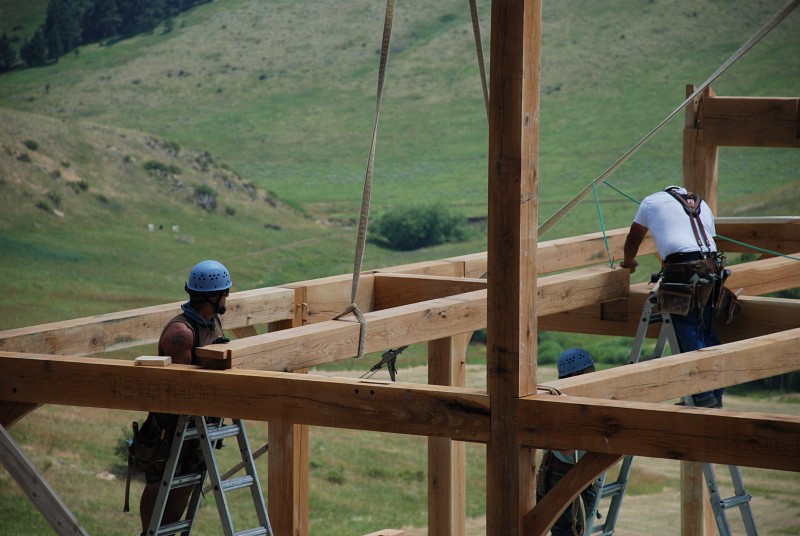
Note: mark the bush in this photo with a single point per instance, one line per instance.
(31, 144)
(205, 197)
(159, 169)
(414, 227)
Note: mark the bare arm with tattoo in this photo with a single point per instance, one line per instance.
(177, 342)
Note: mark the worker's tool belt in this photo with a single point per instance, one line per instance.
(687, 285)
(150, 448)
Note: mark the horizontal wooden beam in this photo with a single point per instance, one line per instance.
(765, 276)
(135, 327)
(585, 250)
(325, 342)
(750, 121)
(758, 317)
(660, 431)
(436, 411)
(327, 297)
(672, 377)
(395, 290)
(620, 318)
(779, 234)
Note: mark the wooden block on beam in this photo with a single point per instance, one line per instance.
(153, 360)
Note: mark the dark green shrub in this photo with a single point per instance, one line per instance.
(159, 169)
(413, 227)
(205, 197)
(30, 144)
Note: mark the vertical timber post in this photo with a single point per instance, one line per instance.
(447, 462)
(287, 482)
(513, 220)
(700, 161)
(700, 164)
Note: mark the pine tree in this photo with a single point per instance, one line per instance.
(62, 24)
(101, 21)
(34, 52)
(7, 53)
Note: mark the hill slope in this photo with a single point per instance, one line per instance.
(283, 94)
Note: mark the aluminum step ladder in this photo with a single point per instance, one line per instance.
(741, 499)
(615, 491)
(209, 432)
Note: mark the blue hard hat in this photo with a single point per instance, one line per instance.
(573, 360)
(209, 276)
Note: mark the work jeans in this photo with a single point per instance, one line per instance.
(693, 334)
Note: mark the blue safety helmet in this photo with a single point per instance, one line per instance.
(573, 360)
(209, 276)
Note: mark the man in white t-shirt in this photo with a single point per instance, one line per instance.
(679, 241)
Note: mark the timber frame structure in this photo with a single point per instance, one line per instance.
(557, 285)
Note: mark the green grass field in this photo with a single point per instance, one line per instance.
(280, 95)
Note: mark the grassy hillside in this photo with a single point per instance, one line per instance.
(282, 93)
(270, 105)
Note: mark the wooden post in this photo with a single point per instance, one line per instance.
(699, 160)
(696, 518)
(447, 462)
(287, 483)
(700, 164)
(512, 240)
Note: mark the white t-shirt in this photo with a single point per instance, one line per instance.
(670, 226)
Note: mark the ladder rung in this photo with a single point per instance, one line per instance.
(258, 531)
(187, 480)
(175, 528)
(611, 490)
(735, 501)
(214, 433)
(237, 483)
(224, 431)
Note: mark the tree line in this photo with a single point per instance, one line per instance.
(69, 24)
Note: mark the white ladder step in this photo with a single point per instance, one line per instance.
(237, 483)
(258, 531)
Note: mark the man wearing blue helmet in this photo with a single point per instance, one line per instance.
(198, 325)
(556, 463)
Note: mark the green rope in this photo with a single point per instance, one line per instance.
(621, 192)
(745, 244)
(603, 226)
(762, 250)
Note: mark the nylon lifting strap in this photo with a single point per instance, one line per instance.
(476, 31)
(367, 194)
(755, 38)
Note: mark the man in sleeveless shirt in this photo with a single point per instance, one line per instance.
(557, 463)
(198, 325)
(680, 241)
